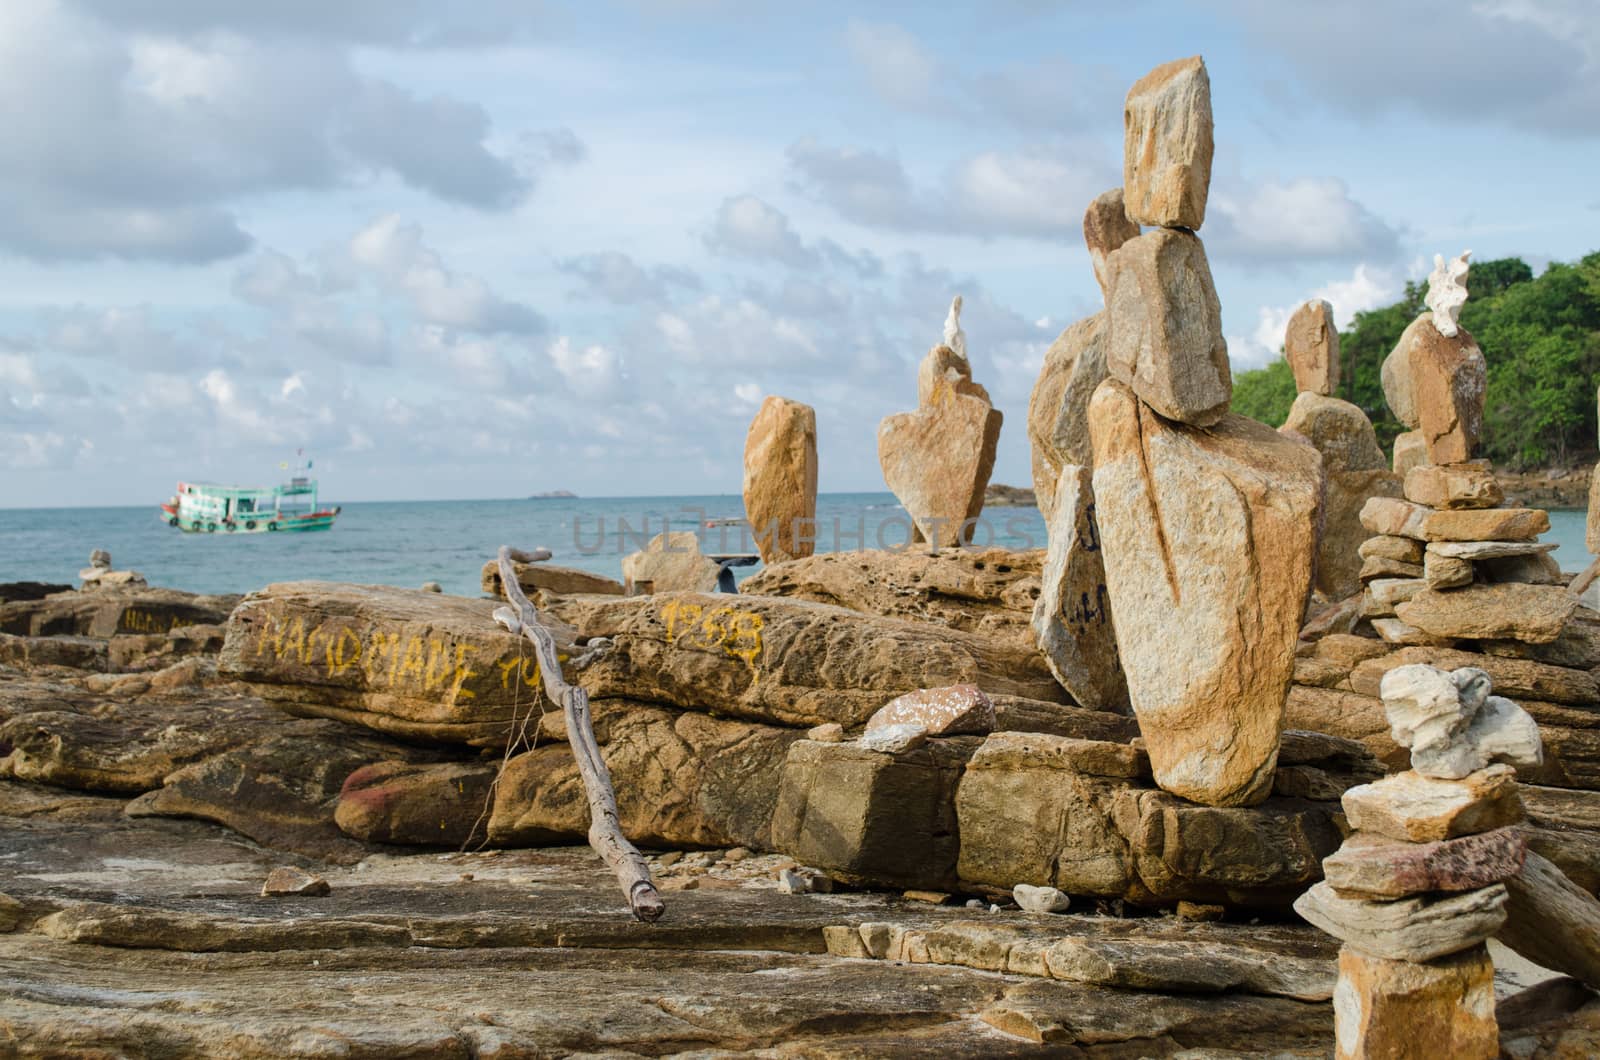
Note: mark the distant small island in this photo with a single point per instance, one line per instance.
(998, 495)
(550, 495)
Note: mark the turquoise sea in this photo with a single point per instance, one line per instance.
(407, 543)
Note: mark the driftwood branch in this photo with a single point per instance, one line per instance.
(605, 831)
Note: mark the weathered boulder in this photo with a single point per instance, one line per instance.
(1401, 1008)
(1209, 539)
(1409, 929)
(955, 711)
(1072, 618)
(1339, 430)
(1534, 613)
(73, 653)
(1106, 227)
(280, 790)
(126, 747)
(548, 577)
(1436, 384)
(1164, 334)
(937, 459)
(1058, 410)
(1311, 346)
(780, 479)
(1167, 145)
(786, 662)
(1081, 815)
(433, 805)
(682, 780)
(1454, 486)
(867, 816)
(977, 590)
(107, 612)
(671, 562)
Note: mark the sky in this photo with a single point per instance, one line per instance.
(528, 246)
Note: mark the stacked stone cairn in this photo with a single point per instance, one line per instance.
(1207, 520)
(1419, 886)
(1353, 464)
(937, 459)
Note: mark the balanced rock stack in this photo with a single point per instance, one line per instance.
(937, 459)
(1420, 885)
(1208, 520)
(1352, 462)
(1435, 378)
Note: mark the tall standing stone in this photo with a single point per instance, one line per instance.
(1402, 1010)
(1166, 327)
(1311, 346)
(780, 479)
(1105, 228)
(1436, 383)
(1208, 538)
(1072, 617)
(1167, 146)
(1058, 410)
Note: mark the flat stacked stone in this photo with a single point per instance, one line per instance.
(1420, 884)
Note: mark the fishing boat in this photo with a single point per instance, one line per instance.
(207, 508)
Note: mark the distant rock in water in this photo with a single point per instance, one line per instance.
(551, 495)
(998, 495)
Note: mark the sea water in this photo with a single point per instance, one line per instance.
(407, 543)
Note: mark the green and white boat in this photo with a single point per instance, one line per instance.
(207, 508)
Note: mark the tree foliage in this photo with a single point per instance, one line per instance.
(1540, 337)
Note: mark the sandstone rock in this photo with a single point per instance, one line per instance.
(1165, 328)
(1482, 550)
(1375, 868)
(885, 819)
(1072, 618)
(828, 732)
(1311, 346)
(1167, 145)
(1031, 899)
(1418, 809)
(1539, 568)
(1208, 543)
(1402, 549)
(785, 662)
(108, 612)
(1400, 1009)
(978, 590)
(1345, 493)
(682, 780)
(1410, 929)
(1453, 486)
(1394, 631)
(937, 460)
(1339, 430)
(893, 739)
(1446, 572)
(1383, 595)
(952, 711)
(548, 577)
(1058, 410)
(444, 805)
(1410, 451)
(280, 790)
(1349, 651)
(1553, 922)
(671, 562)
(1105, 228)
(780, 479)
(1436, 383)
(1591, 536)
(1382, 567)
(1386, 515)
(1534, 613)
(286, 881)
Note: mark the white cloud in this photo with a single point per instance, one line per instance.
(1368, 287)
(1295, 220)
(747, 227)
(895, 62)
(395, 253)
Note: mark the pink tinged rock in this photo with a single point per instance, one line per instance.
(287, 881)
(1208, 539)
(1373, 867)
(1105, 228)
(1072, 617)
(1167, 145)
(956, 710)
(1166, 327)
(780, 479)
(1311, 346)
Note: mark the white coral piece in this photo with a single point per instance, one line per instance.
(954, 337)
(1452, 725)
(1447, 292)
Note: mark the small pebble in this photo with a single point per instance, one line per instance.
(827, 732)
(287, 881)
(931, 897)
(1032, 899)
(467, 877)
(671, 857)
(974, 903)
(736, 854)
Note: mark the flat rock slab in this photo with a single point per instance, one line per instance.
(1417, 809)
(1376, 868)
(1490, 549)
(1411, 929)
(1517, 678)
(1390, 515)
(1533, 613)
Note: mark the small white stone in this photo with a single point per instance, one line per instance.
(1032, 899)
(892, 739)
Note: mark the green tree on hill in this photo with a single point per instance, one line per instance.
(1540, 337)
